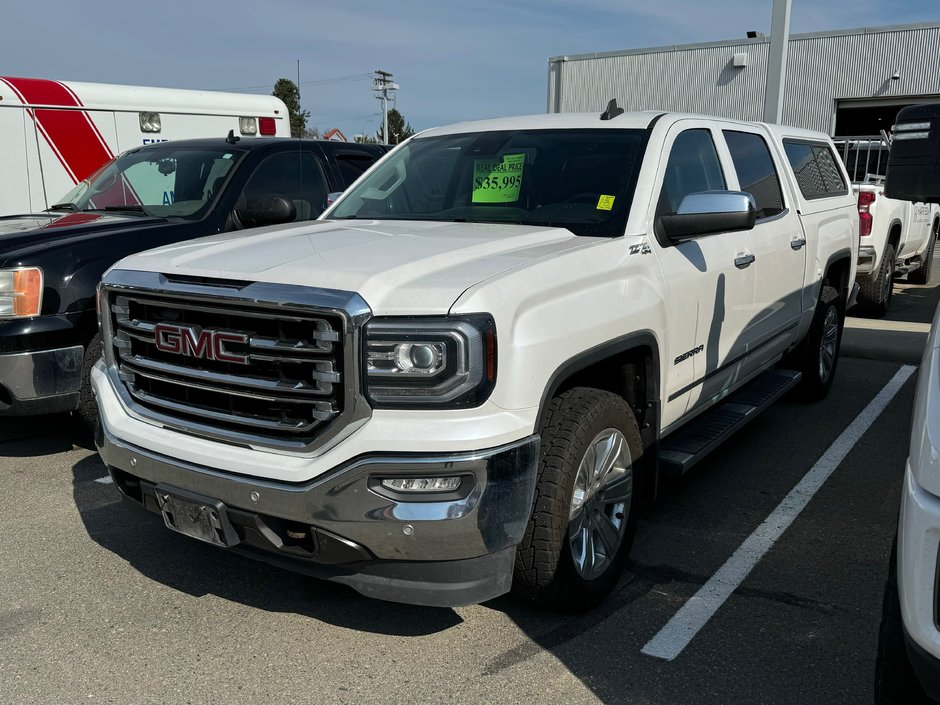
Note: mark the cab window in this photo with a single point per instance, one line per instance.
(693, 167)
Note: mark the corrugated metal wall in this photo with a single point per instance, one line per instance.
(823, 68)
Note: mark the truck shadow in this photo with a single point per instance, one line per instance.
(34, 436)
(197, 569)
(912, 303)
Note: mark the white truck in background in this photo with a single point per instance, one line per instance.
(895, 237)
(56, 134)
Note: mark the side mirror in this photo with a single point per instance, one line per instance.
(914, 159)
(332, 197)
(267, 209)
(710, 212)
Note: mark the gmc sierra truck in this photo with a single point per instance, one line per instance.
(470, 373)
(51, 264)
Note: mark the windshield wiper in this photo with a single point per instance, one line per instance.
(62, 207)
(133, 207)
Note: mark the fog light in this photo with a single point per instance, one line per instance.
(422, 484)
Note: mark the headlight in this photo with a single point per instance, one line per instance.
(20, 292)
(430, 362)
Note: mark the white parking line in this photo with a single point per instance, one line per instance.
(694, 614)
(106, 480)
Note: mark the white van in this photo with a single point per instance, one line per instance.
(55, 134)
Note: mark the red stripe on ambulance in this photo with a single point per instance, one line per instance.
(73, 219)
(70, 132)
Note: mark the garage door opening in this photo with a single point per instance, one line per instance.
(869, 117)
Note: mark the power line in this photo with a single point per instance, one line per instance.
(314, 82)
(327, 116)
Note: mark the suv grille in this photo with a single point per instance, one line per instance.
(285, 384)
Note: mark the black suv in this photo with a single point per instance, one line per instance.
(147, 197)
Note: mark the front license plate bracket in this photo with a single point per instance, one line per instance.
(196, 516)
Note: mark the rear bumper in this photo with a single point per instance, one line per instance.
(40, 382)
(455, 549)
(867, 262)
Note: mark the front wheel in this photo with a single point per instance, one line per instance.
(584, 516)
(87, 405)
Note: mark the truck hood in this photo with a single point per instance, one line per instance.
(27, 232)
(400, 267)
(23, 223)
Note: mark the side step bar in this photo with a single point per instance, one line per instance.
(682, 450)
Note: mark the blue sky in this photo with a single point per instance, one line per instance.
(453, 60)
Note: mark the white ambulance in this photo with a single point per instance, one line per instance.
(55, 134)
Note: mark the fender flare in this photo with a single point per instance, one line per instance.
(598, 353)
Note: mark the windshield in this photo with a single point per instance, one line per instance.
(582, 180)
(167, 181)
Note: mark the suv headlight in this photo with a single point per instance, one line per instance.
(20, 292)
(430, 362)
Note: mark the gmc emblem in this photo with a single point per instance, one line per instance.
(193, 341)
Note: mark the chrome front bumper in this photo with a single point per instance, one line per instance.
(444, 550)
(44, 381)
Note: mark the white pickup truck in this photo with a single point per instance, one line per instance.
(896, 237)
(471, 373)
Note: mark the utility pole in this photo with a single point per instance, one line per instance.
(381, 84)
(777, 61)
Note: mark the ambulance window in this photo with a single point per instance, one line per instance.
(291, 175)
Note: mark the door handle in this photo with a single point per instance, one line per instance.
(798, 244)
(744, 261)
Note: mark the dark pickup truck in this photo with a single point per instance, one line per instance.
(51, 263)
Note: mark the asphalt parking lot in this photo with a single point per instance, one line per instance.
(100, 603)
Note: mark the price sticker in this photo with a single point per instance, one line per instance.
(498, 181)
(605, 203)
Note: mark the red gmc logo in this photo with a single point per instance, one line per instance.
(193, 341)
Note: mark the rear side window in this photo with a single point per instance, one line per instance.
(352, 165)
(693, 167)
(756, 172)
(817, 173)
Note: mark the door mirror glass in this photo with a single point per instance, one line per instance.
(710, 212)
(267, 209)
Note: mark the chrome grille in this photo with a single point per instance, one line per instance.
(289, 393)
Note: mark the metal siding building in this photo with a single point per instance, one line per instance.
(828, 73)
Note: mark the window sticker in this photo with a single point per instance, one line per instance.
(498, 181)
(605, 203)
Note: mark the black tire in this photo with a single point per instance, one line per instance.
(896, 682)
(808, 357)
(546, 571)
(874, 297)
(87, 405)
(921, 275)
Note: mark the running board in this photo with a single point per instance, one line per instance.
(682, 450)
